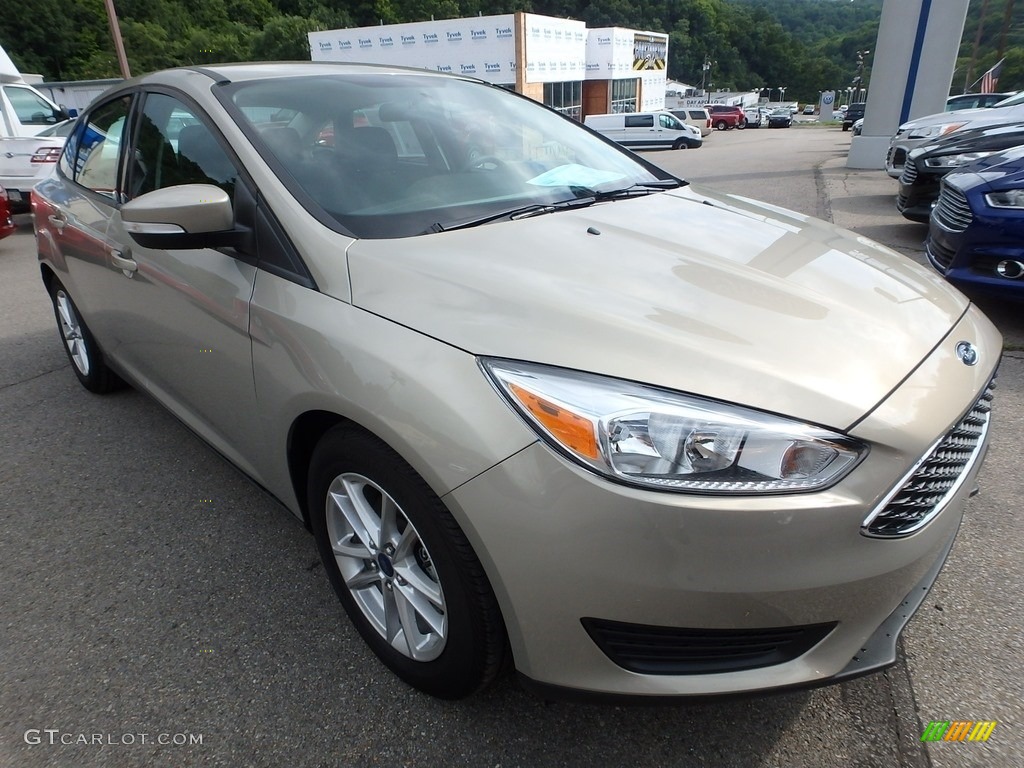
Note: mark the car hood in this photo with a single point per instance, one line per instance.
(709, 294)
(990, 139)
(1004, 170)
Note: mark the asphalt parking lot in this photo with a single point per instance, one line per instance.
(154, 598)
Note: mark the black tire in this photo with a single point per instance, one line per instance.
(846, 127)
(680, 145)
(83, 352)
(721, 125)
(742, 124)
(473, 648)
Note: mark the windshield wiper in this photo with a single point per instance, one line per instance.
(584, 197)
(636, 190)
(522, 212)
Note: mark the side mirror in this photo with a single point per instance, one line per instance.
(182, 217)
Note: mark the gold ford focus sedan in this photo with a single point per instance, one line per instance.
(542, 404)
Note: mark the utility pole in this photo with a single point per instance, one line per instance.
(705, 71)
(115, 32)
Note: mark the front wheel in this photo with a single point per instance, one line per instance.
(680, 145)
(742, 124)
(402, 568)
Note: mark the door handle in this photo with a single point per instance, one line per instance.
(126, 265)
(58, 221)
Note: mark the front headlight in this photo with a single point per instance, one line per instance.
(953, 161)
(667, 440)
(1008, 198)
(932, 131)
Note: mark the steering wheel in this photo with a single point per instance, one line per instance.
(485, 163)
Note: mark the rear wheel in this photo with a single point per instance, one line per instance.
(721, 125)
(402, 568)
(82, 350)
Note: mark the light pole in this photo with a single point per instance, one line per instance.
(782, 94)
(705, 72)
(859, 80)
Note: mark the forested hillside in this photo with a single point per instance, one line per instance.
(805, 45)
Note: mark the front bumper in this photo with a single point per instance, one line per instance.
(916, 199)
(896, 157)
(969, 258)
(562, 546)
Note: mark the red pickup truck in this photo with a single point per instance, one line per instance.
(724, 117)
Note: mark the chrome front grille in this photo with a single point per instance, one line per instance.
(952, 211)
(909, 174)
(932, 483)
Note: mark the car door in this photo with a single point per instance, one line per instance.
(640, 130)
(182, 324)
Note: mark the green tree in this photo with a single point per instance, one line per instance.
(283, 39)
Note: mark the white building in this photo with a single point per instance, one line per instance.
(559, 62)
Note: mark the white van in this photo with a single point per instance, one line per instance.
(646, 130)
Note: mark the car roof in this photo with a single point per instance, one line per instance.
(241, 72)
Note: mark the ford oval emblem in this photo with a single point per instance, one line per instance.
(967, 353)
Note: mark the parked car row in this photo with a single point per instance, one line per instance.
(962, 172)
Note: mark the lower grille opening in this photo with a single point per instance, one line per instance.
(652, 650)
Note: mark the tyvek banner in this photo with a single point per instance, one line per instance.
(482, 47)
(556, 49)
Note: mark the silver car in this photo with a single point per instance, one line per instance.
(542, 404)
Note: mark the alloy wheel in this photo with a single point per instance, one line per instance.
(386, 567)
(71, 330)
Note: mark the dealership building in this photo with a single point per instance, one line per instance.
(559, 62)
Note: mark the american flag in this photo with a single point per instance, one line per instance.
(990, 79)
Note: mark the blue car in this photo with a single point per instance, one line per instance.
(976, 230)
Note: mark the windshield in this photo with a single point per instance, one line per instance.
(1011, 101)
(399, 154)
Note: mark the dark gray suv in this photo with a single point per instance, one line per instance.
(853, 113)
